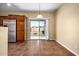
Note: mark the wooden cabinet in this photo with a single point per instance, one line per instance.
(1, 22)
(1, 19)
(20, 36)
(20, 25)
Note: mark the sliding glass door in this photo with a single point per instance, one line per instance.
(38, 29)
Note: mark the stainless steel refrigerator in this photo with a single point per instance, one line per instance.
(11, 24)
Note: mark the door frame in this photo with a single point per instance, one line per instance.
(28, 27)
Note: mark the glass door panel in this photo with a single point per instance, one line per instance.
(42, 28)
(37, 29)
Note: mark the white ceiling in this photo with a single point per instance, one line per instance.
(48, 7)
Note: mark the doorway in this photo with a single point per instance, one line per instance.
(38, 29)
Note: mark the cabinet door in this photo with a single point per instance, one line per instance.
(20, 25)
(1, 22)
(20, 36)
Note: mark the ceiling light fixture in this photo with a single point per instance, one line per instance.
(8, 4)
(39, 15)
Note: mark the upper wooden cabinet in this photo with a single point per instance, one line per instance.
(1, 20)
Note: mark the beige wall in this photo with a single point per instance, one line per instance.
(3, 41)
(67, 27)
(48, 15)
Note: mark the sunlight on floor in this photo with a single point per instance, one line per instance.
(38, 37)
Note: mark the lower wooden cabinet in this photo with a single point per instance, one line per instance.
(20, 35)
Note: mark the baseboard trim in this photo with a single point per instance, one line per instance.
(67, 48)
